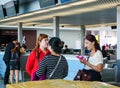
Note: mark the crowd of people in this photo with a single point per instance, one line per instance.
(46, 61)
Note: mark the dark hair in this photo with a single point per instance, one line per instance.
(103, 47)
(92, 38)
(56, 44)
(66, 46)
(14, 38)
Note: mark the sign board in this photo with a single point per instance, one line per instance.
(46, 3)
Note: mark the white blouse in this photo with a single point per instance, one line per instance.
(96, 59)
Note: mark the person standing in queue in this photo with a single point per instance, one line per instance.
(66, 50)
(37, 54)
(94, 64)
(15, 63)
(7, 57)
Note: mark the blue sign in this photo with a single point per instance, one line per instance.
(63, 1)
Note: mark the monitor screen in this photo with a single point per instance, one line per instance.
(10, 8)
(63, 1)
(1, 12)
(46, 3)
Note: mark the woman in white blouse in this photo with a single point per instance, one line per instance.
(94, 64)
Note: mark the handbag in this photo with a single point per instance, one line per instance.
(35, 77)
(83, 75)
(88, 75)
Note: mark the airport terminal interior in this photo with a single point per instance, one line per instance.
(70, 20)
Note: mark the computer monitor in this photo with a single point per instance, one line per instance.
(2, 12)
(46, 3)
(11, 8)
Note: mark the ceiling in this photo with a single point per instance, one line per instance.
(81, 12)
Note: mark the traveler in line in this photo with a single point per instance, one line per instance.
(37, 54)
(15, 63)
(7, 57)
(105, 53)
(66, 50)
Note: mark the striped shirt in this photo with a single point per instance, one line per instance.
(48, 64)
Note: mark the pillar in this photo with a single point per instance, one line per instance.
(20, 32)
(56, 26)
(117, 74)
(82, 39)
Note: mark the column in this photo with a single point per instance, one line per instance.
(20, 32)
(56, 26)
(117, 74)
(59, 2)
(82, 39)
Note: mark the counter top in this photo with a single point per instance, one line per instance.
(59, 83)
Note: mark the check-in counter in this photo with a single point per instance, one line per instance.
(73, 62)
(108, 73)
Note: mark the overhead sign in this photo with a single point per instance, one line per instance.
(11, 8)
(2, 13)
(46, 3)
(63, 1)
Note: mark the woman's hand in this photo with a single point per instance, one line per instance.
(84, 61)
(22, 50)
(97, 68)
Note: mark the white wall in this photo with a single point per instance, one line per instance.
(108, 37)
(70, 37)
